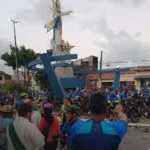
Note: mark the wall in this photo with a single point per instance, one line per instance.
(137, 84)
(130, 77)
(142, 73)
(90, 63)
(14, 76)
(2, 76)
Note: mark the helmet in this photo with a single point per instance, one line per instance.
(6, 109)
(23, 95)
(48, 106)
(73, 109)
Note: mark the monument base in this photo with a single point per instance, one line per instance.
(64, 72)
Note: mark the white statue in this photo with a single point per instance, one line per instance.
(56, 25)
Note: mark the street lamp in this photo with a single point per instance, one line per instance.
(14, 25)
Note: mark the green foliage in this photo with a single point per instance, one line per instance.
(24, 56)
(41, 79)
(12, 87)
(10, 58)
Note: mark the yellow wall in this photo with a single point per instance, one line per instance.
(137, 83)
(127, 77)
(142, 73)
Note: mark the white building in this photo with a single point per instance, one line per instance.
(4, 77)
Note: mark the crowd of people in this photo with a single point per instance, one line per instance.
(30, 121)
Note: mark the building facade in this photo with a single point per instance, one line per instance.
(88, 63)
(137, 76)
(4, 77)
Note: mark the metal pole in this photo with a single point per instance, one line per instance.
(100, 75)
(16, 52)
(101, 59)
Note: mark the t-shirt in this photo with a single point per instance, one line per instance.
(97, 135)
(123, 95)
(54, 129)
(145, 90)
(18, 103)
(4, 122)
(36, 116)
(67, 126)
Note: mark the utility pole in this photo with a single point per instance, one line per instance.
(101, 61)
(16, 52)
(100, 75)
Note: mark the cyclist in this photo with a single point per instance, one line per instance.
(114, 98)
(72, 114)
(97, 134)
(62, 115)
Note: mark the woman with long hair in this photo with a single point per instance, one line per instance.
(49, 126)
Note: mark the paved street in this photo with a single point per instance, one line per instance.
(136, 139)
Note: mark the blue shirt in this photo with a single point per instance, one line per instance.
(123, 95)
(77, 93)
(67, 126)
(113, 97)
(4, 122)
(145, 90)
(97, 135)
(69, 95)
(135, 90)
(18, 103)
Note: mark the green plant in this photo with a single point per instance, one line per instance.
(14, 87)
(25, 56)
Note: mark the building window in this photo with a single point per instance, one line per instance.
(1, 78)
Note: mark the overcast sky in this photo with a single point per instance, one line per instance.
(121, 28)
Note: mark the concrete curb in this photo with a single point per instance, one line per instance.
(140, 125)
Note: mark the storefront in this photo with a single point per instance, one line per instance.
(145, 79)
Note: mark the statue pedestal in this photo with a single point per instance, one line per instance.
(64, 72)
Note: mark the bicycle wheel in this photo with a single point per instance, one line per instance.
(134, 116)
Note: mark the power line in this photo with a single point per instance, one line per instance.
(113, 62)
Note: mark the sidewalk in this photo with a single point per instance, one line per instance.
(139, 125)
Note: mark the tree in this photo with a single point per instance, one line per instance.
(42, 80)
(13, 87)
(24, 57)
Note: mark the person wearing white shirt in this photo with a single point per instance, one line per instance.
(36, 115)
(27, 133)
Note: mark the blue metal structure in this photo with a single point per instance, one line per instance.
(58, 85)
(53, 80)
(98, 71)
(51, 58)
(116, 82)
(72, 83)
(55, 83)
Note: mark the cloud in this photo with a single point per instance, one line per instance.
(117, 45)
(138, 34)
(4, 45)
(41, 11)
(138, 3)
(135, 3)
